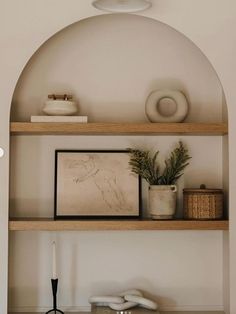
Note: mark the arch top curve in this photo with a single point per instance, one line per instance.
(121, 58)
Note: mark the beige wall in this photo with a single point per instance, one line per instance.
(184, 16)
(155, 262)
(111, 63)
(166, 265)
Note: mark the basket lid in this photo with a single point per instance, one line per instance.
(203, 189)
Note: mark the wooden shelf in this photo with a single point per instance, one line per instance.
(45, 224)
(28, 128)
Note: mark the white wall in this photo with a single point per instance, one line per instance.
(111, 63)
(32, 166)
(181, 270)
(29, 31)
(174, 267)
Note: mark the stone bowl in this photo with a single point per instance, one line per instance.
(60, 107)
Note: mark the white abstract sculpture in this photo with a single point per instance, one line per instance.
(124, 300)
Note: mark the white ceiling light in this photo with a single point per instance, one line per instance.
(122, 6)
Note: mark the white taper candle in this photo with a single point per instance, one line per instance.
(54, 262)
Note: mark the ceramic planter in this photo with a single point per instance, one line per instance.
(162, 201)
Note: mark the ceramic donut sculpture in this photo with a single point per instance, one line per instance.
(152, 104)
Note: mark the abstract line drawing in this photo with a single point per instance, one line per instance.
(96, 184)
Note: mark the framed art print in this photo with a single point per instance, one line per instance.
(95, 184)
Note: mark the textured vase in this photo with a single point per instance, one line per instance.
(162, 201)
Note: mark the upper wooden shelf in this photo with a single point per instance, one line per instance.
(29, 128)
(46, 224)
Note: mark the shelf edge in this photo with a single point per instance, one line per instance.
(115, 225)
(28, 128)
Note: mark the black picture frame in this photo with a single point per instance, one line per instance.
(59, 216)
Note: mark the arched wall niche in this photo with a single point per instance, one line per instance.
(110, 63)
(119, 99)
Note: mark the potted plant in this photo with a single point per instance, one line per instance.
(162, 188)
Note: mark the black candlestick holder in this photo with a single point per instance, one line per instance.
(54, 293)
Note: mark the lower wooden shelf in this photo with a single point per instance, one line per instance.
(47, 224)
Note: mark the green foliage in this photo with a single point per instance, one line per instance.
(144, 164)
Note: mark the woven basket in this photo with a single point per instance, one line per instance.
(203, 203)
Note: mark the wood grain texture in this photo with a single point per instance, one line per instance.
(42, 224)
(29, 128)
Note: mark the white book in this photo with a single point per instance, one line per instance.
(78, 119)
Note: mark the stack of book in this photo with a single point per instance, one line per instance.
(72, 119)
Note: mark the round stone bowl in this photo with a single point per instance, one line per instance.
(60, 107)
